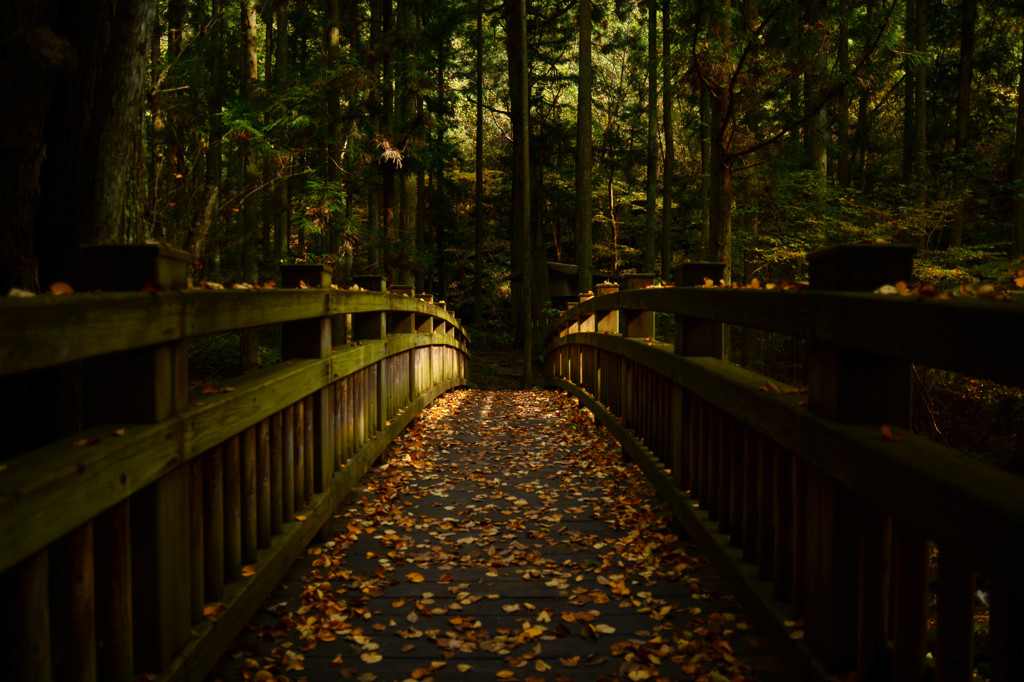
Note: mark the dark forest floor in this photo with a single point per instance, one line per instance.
(504, 537)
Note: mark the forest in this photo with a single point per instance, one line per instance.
(469, 148)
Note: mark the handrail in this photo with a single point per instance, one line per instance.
(816, 513)
(153, 534)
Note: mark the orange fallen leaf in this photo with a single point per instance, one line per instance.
(415, 577)
(300, 517)
(61, 289)
(889, 435)
(118, 432)
(248, 570)
(770, 388)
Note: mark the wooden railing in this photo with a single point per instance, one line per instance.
(143, 543)
(823, 524)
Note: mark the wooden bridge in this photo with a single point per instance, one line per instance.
(142, 525)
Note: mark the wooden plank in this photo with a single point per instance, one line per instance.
(766, 502)
(32, 615)
(213, 524)
(875, 578)
(196, 541)
(1006, 636)
(310, 448)
(288, 463)
(114, 622)
(300, 454)
(276, 474)
(263, 511)
(954, 644)
(783, 521)
(233, 509)
(72, 579)
(910, 617)
(161, 552)
(250, 503)
(750, 476)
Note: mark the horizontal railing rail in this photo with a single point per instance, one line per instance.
(819, 504)
(142, 542)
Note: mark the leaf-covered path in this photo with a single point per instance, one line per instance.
(504, 538)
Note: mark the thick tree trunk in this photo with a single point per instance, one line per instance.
(670, 148)
(816, 127)
(920, 100)
(33, 62)
(250, 177)
(584, 237)
(478, 196)
(90, 183)
(843, 108)
(968, 18)
(332, 45)
(1017, 204)
(282, 218)
(519, 90)
(651, 222)
(704, 107)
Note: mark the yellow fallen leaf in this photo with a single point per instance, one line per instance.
(300, 517)
(371, 657)
(248, 570)
(415, 577)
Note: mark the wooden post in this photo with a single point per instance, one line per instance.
(276, 473)
(33, 659)
(852, 387)
(312, 339)
(161, 529)
(263, 522)
(639, 324)
(373, 325)
(696, 336)
(233, 509)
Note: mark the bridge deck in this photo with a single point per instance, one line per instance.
(504, 538)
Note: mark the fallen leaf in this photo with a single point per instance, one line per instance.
(300, 517)
(61, 289)
(248, 570)
(19, 293)
(118, 432)
(889, 435)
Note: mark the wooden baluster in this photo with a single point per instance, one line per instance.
(800, 519)
(713, 461)
(196, 493)
(727, 432)
(309, 460)
(33, 657)
(250, 532)
(873, 613)
(954, 645)
(263, 511)
(782, 567)
(300, 454)
(766, 454)
(910, 600)
(679, 437)
(74, 623)
(288, 463)
(749, 479)
(112, 535)
(276, 473)
(233, 509)
(213, 520)
(1006, 635)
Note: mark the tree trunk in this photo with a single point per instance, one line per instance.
(909, 89)
(650, 223)
(968, 18)
(670, 148)
(282, 223)
(387, 190)
(704, 106)
(920, 100)
(268, 190)
(478, 204)
(862, 136)
(90, 183)
(332, 45)
(816, 126)
(843, 109)
(406, 184)
(35, 60)
(251, 198)
(584, 237)
(214, 120)
(1017, 204)
(519, 91)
